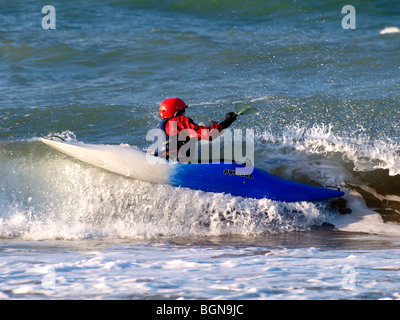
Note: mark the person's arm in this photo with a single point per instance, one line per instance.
(195, 131)
(201, 132)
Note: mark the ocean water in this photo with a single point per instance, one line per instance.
(329, 114)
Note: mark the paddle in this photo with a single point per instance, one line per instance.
(242, 108)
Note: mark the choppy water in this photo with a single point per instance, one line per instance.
(329, 114)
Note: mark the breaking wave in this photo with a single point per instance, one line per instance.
(47, 195)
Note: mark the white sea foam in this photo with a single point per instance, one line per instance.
(363, 219)
(126, 271)
(389, 30)
(364, 153)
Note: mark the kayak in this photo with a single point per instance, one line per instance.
(221, 177)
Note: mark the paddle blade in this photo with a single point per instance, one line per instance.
(242, 108)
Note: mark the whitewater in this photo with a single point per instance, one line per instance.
(329, 115)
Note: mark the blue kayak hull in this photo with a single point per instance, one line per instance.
(259, 184)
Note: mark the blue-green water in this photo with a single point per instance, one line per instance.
(328, 100)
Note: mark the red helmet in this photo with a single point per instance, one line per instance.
(169, 107)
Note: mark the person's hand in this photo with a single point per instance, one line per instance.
(230, 117)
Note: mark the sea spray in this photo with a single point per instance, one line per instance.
(63, 198)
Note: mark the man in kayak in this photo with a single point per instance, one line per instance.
(180, 130)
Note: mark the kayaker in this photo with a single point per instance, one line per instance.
(180, 130)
